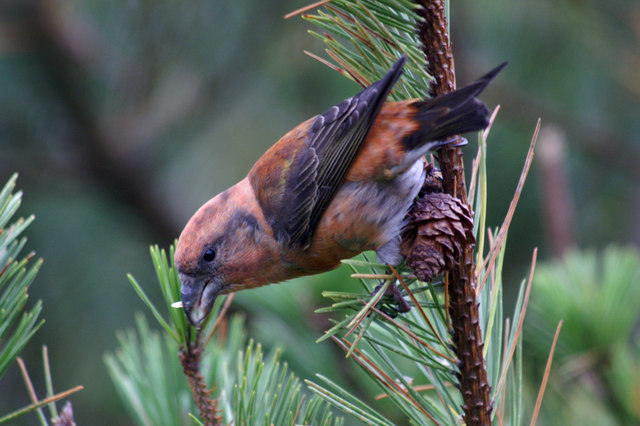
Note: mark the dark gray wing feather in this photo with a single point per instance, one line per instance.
(334, 139)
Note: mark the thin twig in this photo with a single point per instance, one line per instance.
(40, 404)
(476, 161)
(419, 307)
(447, 300)
(413, 335)
(327, 63)
(545, 378)
(386, 40)
(475, 165)
(376, 276)
(502, 234)
(419, 388)
(48, 381)
(505, 349)
(383, 377)
(523, 310)
(306, 8)
(362, 81)
(362, 314)
(30, 389)
(369, 365)
(354, 34)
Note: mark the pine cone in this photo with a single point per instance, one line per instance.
(438, 229)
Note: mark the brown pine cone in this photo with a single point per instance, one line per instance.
(438, 228)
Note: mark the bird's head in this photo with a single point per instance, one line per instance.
(220, 250)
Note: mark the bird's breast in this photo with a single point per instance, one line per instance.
(363, 215)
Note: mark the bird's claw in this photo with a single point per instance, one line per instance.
(397, 304)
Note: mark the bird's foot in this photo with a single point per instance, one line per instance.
(397, 304)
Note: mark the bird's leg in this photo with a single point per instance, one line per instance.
(401, 305)
(390, 254)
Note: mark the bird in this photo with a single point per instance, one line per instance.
(336, 185)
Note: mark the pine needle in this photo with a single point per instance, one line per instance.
(14, 415)
(514, 340)
(489, 264)
(306, 8)
(545, 377)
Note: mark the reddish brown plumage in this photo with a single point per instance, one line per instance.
(334, 186)
(251, 250)
(274, 164)
(383, 148)
(338, 236)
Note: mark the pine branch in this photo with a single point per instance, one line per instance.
(208, 407)
(246, 389)
(463, 306)
(17, 325)
(360, 37)
(434, 38)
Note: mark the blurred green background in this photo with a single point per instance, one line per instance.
(122, 117)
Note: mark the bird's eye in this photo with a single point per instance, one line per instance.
(209, 255)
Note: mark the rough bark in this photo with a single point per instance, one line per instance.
(463, 308)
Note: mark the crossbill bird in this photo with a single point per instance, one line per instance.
(336, 185)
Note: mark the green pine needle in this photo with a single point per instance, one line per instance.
(17, 326)
(363, 38)
(250, 388)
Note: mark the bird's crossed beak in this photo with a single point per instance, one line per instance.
(198, 295)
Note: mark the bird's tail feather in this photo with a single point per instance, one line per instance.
(451, 114)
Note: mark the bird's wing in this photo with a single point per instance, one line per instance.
(333, 141)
